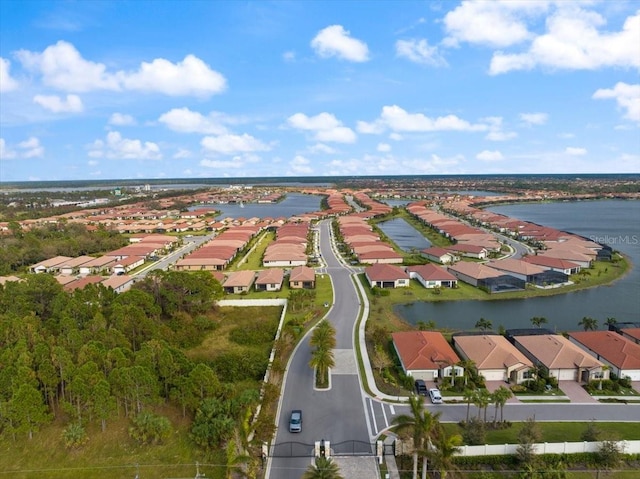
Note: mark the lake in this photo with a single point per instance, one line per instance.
(294, 204)
(612, 222)
(404, 235)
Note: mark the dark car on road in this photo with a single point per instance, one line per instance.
(295, 421)
(421, 387)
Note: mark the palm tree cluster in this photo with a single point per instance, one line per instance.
(323, 468)
(483, 399)
(430, 440)
(323, 340)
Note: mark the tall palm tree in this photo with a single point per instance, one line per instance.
(323, 336)
(484, 324)
(610, 322)
(324, 468)
(588, 324)
(500, 397)
(469, 396)
(467, 365)
(422, 424)
(444, 447)
(322, 360)
(483, 399)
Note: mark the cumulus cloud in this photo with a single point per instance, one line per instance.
(29, 148)
(494, 23)
(121, 119)
(534, 118)
(627, 97)
(7, 83)
(188, 121)
(63, 67)
(489, 156)
(573, 151)
(5, 152)
(321, 148)
(228, 144)
(116, 147)
(574, 42)
(399, 120)
(300, 166)
(326, 127)
(419, 51)
(496, 131)
(72, 104)
(335, 41)
(383, 147)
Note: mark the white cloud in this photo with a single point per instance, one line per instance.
(399, 120)
(534, 118)
(31, 148)
(574, 42)
(121, 119)
(5, 152)
(321, 148)
(335, 41)
(182, 153)
(326, 127)
(383, 147)
(7, 83)
(289, 56)
(395, 136)
(72, 104)
(419, 51)
(496, 132)
(187, 121)
(62, 67)
(228, 144)
(493, 23)
(300, 166)
(191, 76)
(93, 162)
(373, 128)
(489, 156)
(573, 151)
(117, 147)
(627, 97)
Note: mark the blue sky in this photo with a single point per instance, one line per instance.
(153, 89)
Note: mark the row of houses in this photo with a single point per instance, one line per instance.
(71, 283)
(289, 247)
(581, 356)
(238, 282)
(364, 243)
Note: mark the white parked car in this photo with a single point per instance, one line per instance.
(436, 397)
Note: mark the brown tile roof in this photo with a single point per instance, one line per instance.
(424, 350)
(270, 276)
(240, 278)
(516, 266)
(385, 272)
(475, 270)
(491, 351)
(610, 346)
(302, 273)
(557, 352)
(432, 272)
(549, 262)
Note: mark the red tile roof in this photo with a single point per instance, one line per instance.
(424, 350)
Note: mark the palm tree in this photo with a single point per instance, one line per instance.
(322, 360)
(500, 397)
(483, 399)
(324, 336)
(324, 468)
(467, 365)
(422, 425)
(470, 397)
(588, 324)
(538, 321)
(444, 447)
(611, 322)
(484, 324)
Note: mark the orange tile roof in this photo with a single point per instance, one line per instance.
(612, 347)
(424, 350)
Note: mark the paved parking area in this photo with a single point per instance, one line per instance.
(358, 467)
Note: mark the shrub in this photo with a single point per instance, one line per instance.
(474, 432)
(74, 436)
(149, 428)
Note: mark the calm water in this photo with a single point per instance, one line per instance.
(294, 204)
(404, 235)
(612, 222)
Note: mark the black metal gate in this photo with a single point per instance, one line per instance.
(291, 449)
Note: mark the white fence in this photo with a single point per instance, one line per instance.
(627, 447)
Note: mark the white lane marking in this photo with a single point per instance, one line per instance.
(373, 416)
(384, 415)
(392, 409)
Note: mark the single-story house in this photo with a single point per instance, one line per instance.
(485, 277)
(468, 250)
(8, 279)
(270, 280)
(200, 264)
(613, 349)
(239, 282)
(426, 355)
(120, 284)
(73, 265)
(388, 256)
(302, 277)
(386, 276)
(632, 334)
(432, 276)
(127, 264)
(82, 283)
(528, 272)
(560, 357)
(51, 265)
(103, 264)
(554, 264)
(438, 255)
(495, 357)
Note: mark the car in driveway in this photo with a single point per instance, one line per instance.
(295, 421)
(421, 387)
(435, 396)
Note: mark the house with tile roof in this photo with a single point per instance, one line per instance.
(51, 265)
(485, 277)
(496, 359)
(269, 280)
(438, 255)
(554, 264)
(530, 273)
(432, 276)
(619, 353)
(632, 334)
(302, 277)
(239, 282)
(386, 276)
(426, 355)
(560, 357)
